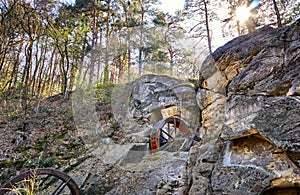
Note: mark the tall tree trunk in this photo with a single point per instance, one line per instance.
(72, 77)
(207, 27)
(95, 28)
(106, 60)
(171, 54)
(42, 74)
(238, 27)
(14, 74)
(3, 58)
(4, 48)
(279, 24)
(94, 43)
(141, 37)
(100, 56)
(129, 61)
(54, 79)
(80, 77)
(50, 74)
(128, 45)
(66, 72)
(5, 74)
(34, 78)
(26, 75)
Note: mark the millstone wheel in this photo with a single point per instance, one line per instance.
(40, 182)
(171, 134)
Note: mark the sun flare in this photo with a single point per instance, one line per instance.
(242, 13)
(171, 6)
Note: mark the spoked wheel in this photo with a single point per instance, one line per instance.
(40, 182)
(171, 134)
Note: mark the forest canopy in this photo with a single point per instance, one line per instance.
(46, 46)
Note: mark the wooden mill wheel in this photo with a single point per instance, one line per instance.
(170, 134)
(40, 182)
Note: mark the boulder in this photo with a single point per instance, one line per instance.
(140, 105)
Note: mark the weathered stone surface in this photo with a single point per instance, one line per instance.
(158, 173)
(279, 121)
(275, 67)
(125, 167)
(153, 97)
(246, 165)
(239, 180)
(276, 118)
(257, 79)
(252, 164)
(240, 114)
(212, 106)
(229, 60)
(201, 163)
(248, 110)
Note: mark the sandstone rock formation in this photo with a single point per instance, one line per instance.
(246, 111)
(125, 165)
(251, 90)
(155, 97)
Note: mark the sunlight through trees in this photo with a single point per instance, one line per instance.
(45, 44)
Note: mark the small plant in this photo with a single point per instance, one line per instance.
(25, 187)
(40, 181)
(36, 184)
(14, 115)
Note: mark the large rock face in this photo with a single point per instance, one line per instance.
(251, 100)
(155, 97)
(245, 107)
(119, 161)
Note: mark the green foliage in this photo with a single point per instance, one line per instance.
(14, 114)
(103, 91)
(160, 19)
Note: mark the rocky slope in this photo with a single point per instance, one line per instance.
(43, 136)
